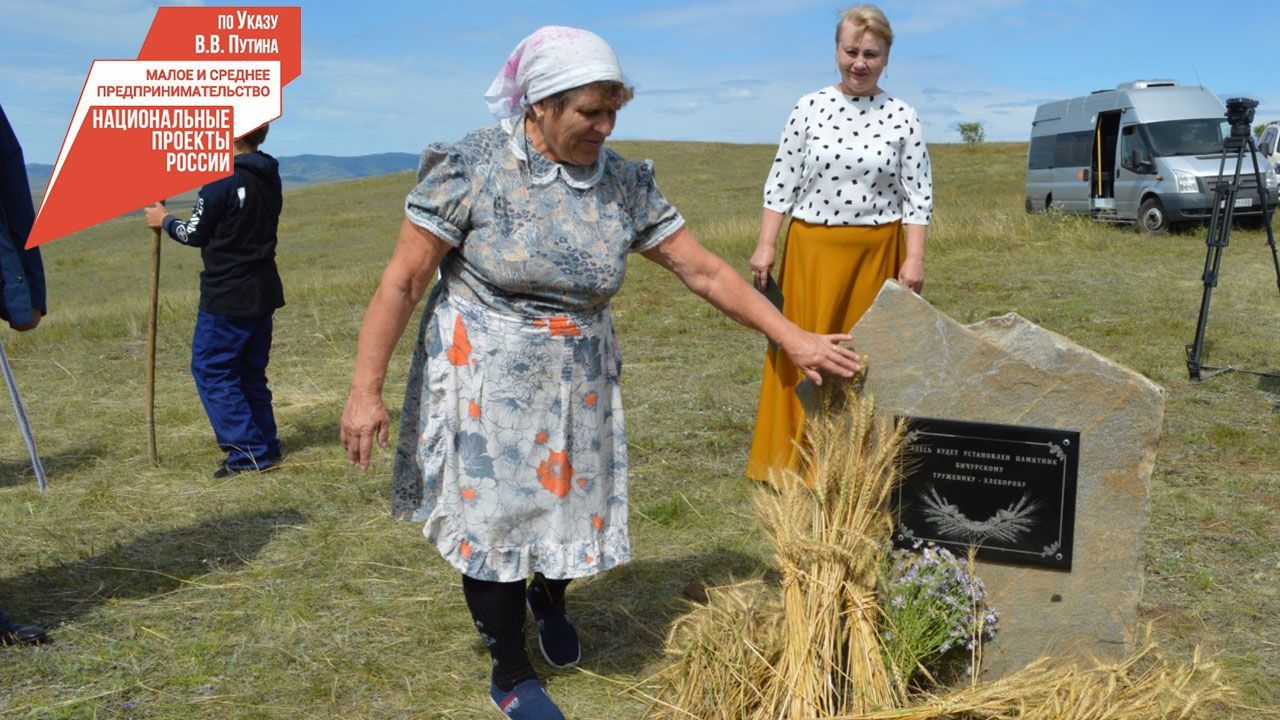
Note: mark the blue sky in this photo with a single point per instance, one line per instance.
(392, 76)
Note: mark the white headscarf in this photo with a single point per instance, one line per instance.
(552, 59)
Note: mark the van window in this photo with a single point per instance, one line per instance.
(1133, 143)
(1187, 137)
(1073, 149)
(1268, 145)
(1040, 154)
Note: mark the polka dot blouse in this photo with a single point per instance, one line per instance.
(849, 160)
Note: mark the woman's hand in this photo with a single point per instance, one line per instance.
(404, 281)
(766, 247)
(762, 264)
(812, 353)
(911, 274)
(364, 420)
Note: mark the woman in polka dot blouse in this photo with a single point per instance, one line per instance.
(852, 171)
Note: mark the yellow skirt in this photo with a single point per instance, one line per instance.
(830, 275)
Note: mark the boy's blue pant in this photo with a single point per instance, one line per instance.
(229, 358)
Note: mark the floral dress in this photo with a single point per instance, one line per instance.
(512, 445)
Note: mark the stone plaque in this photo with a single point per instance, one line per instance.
(1008, 490)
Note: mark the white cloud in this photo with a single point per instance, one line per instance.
(925, 17)
(933, 92)
(1014, 104)
(385, 103)
(691, 100)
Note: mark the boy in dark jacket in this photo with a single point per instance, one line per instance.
(234, 225)
(22, 293)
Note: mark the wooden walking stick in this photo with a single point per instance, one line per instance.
(151, 345)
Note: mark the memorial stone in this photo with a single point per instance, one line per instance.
(1007, 370)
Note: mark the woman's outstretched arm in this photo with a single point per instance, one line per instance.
(404, 281)
(711, 278)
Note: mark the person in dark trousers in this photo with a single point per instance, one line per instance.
(234, 225)
(23, 290)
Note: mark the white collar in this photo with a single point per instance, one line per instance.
(544, 170)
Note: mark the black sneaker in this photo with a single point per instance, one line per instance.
(225, 471)
(557, 638)
(16, 633)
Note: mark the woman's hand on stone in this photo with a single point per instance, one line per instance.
(815, 354)
(364, 420)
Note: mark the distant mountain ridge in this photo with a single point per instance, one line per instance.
(295, 170)
(310, 169)
(38, 175)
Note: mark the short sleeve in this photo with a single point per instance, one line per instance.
(653, 217)
(441, 201)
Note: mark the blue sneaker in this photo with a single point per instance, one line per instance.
(526, 701)
(556, 637)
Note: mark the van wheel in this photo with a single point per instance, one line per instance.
(1151, 217)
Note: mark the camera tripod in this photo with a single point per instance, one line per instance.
(1224, 204)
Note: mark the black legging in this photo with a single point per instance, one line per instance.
(498, 611)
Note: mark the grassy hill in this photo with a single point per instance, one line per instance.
(293, 594)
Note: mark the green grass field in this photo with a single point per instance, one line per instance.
(294, 595)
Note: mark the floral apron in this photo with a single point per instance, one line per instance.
(512, 444)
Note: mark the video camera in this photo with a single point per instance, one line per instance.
(1240, 115)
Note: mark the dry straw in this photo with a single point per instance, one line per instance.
(814, 653)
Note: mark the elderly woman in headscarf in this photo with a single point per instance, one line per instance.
(512, 446)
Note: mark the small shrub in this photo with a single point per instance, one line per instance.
(972, 133)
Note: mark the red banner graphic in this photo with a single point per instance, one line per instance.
(165, 123)
(228, 33)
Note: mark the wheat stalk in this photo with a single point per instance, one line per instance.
(815, 653)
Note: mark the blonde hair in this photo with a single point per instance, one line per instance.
(868, 17)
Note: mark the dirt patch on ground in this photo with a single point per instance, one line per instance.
(1268, 499)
